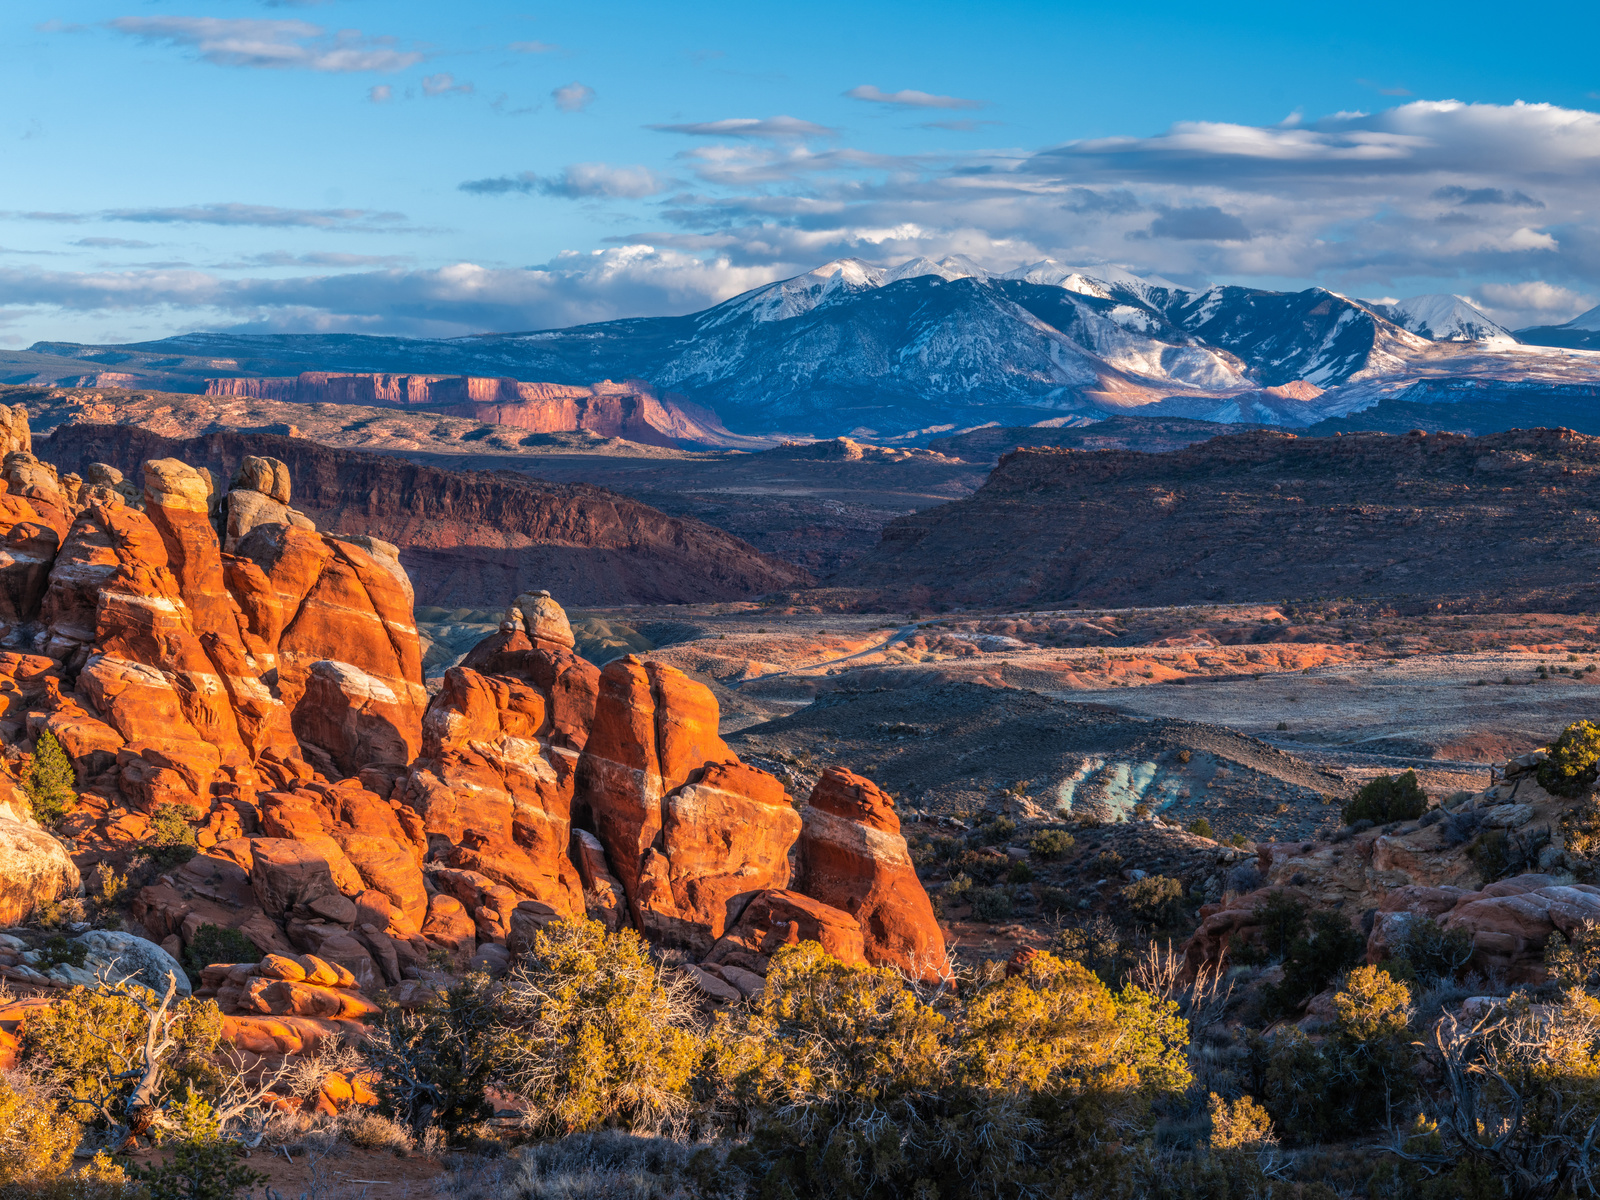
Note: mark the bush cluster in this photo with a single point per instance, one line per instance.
(1573, 761)
(1387, 798)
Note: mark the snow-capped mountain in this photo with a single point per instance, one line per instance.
(1580, 333)
(1442, 318)
(853, 346)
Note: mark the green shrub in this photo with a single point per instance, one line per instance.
(996, 831)
(1328, 946)
(596, 1036)
(50, 783)
(1201, 827)
(36, 1138)
(90, 1044)
(199, 1170)
(982, 866)
(1573, 762)
(1051, 844)
(1387, 798)
(855, 1089)
(1281, 918)
(59, 952)
(990, 904)
(172, 839)
(215, 944)
(435, 1064)
(1155, 900)
(1431, 952)
(1020, 872)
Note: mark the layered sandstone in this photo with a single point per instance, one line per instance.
(1259, 516)
(466, 535)
(632, 410)
(853, 858)
(692, 833)
(267, 690)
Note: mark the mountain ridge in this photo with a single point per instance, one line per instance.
(928, 348)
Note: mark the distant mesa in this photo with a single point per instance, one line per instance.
(632, 410)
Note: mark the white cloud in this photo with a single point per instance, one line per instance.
(444, 84)
(578, 181)
(573, 97)
(1521, 305)
(245, 42)
(536, 48)
(779, 128)
(347, 219)
(634, 280)
(909, 98)
(380, 93)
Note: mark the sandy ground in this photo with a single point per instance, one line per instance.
(1427, 707)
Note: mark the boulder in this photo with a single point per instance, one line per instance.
(34, 870)
(689, 831)
(725, 837)
(543, 620)
(853, 857)
(780, 918)
(116, 955)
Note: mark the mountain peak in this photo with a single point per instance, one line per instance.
(1445, 318)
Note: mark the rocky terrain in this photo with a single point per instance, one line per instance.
(632, 411)
(926, 348)
(465, 535)
(819, 509)
(1503, 520)
(219, 672)
(1152, 435)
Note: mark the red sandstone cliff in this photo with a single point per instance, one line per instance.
(202, 650)
(465, 535)
(632, 410)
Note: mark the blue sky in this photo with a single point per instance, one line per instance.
(452, 168)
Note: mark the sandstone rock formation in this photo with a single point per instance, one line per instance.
(691, 832)
(1245, 516)
(34, 870)
(467, 535)
(270, 697)
(631, 410)
(853, 857)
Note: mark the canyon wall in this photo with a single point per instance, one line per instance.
(632, 410)
(464, 535)
(203, 653)
(1262, 516)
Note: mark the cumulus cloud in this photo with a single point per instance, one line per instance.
(573, 97)
(1202, 224)
(576, 182)
(1521, 305)
(380, 93)
(776, 128)
(1428, 196)
(245, 42)
(1456, 194)
(444, 84)
(347, 219)
(574, 288)
(910, 98)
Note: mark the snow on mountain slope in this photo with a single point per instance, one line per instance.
(792, 297)
(1589, 321)
(850, 345)
(1443, 318)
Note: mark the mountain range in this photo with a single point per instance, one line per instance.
(929, 347)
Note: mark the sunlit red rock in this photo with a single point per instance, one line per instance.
(853, 857)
